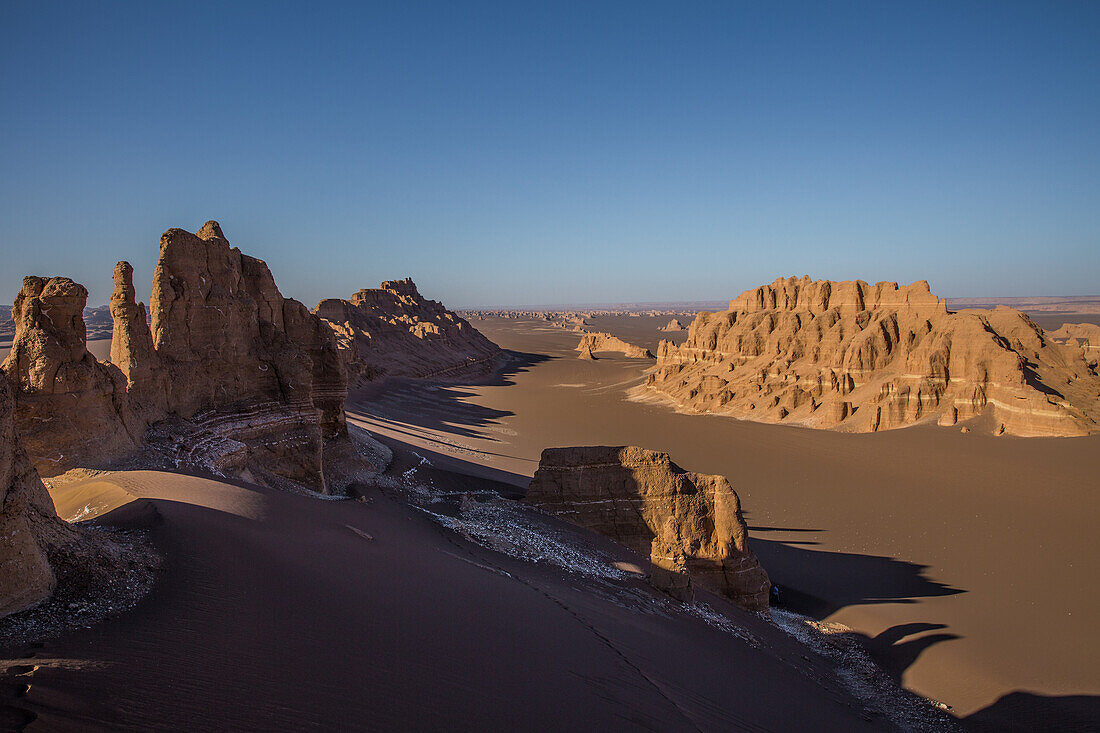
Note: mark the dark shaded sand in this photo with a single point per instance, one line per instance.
(969, 560)
(284, 612)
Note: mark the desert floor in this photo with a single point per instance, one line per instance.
(968, 561)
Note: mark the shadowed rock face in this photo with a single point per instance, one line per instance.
(26, 516)
(231, 376)
(71, 409)
(256, 377)
(393, 331)
(688, 524)
(593, 342)
(861, 357)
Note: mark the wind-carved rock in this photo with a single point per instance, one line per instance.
(862, 358)
(28, 522)
(673, 326)
(71, 410)
(393, 331)
(592, 342)
(230, 376)
(688, 524)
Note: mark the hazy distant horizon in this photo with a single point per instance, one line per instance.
(504, 153)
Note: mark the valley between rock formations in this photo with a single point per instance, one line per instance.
(250, 442)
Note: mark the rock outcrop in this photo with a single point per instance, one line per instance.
(688, 524)
(594, 342)
(673, 326)
(230, 376)
(393, 331)
(28, 522)
(861, 358)
(1085, 336)
(71, 410)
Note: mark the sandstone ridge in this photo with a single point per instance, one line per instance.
(393, 331)
(688, 524)
(230, 376)
(592, 342)
(861, 358)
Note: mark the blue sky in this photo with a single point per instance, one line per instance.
(524, 153)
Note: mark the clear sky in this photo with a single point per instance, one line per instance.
(525, 153)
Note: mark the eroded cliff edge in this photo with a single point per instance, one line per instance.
(393, 331)
(861, 358)
(688, 524)
(230, 376)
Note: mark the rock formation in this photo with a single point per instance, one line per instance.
(688, 524)
(673, 326)
(393, 331)
(594, 342)
(1085, 336)
(28, 522)
(231, 376)
(862, 357)
(71, 409)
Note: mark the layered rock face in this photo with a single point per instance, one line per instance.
(28, 521)
(393, 331)
(71, 409)
(862, 358)
(688, 524)
(231, 375)
(673, 326)
(593, 342)
(252, 380)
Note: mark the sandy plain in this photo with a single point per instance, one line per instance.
(967, 561)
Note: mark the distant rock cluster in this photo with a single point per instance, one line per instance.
(594, 342)
(393, 331)
(862, 358)
(688, 524)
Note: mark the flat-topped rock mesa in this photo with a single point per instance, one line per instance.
(673, 326)
(1085, 336)
(594, 342)
(688, 524)
(230, 376)
(71, 409)
(393, 331)
(861, 358)
(28, 522)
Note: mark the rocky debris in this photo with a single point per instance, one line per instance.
(861, 358)
(594, 342)
(71, 410)
(673, 326)
(393, 331)
(688, 524)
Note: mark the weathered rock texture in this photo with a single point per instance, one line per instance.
(231, 376)
(673, 326)
(594, 342)
(393, 331)
(1085, 336)
(252, 380)
(688, 524)
(28, 522)
(71, 409)
(862, 357)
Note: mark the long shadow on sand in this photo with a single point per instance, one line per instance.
(415, 406)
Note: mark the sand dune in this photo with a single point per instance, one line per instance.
(964, 559)
(278, 611)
